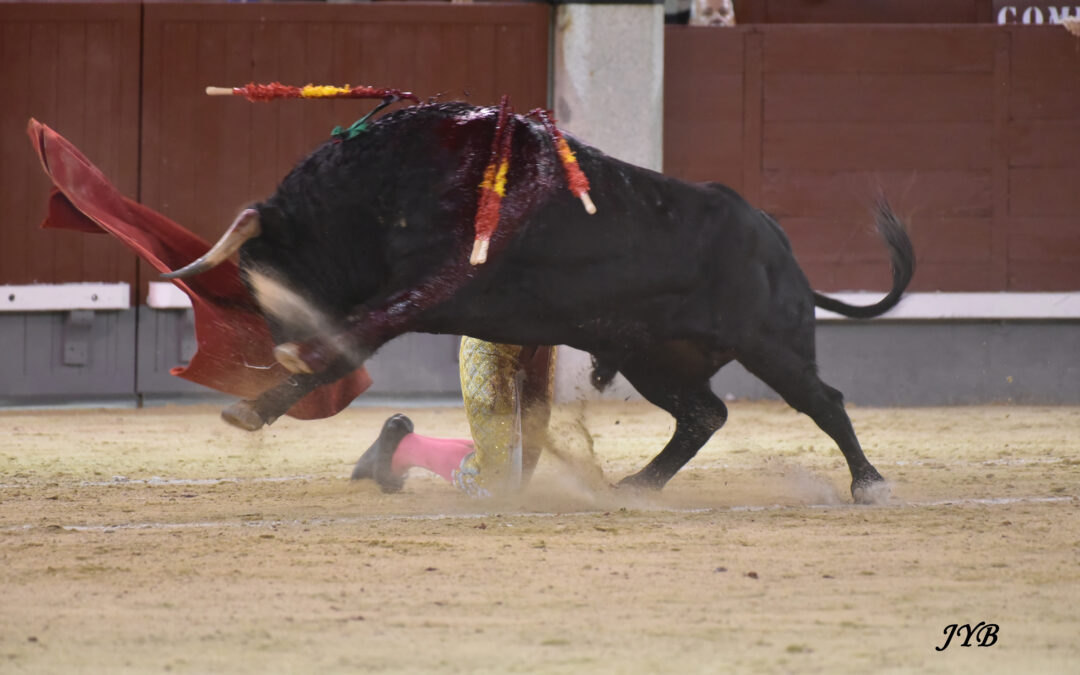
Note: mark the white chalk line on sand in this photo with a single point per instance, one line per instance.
(931, 463)
(512, 515)
(155, 481)
(121, 481)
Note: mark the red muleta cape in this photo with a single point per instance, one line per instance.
(235, 350)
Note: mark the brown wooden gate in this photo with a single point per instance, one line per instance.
(204, 157)
(969, 130)
(76, 68)
(125, 82)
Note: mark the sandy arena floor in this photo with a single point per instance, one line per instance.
(161, 540)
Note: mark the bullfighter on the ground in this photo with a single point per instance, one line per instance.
(507, 391)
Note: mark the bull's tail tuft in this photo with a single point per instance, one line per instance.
(902, 255)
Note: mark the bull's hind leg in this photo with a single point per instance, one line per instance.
(698, 415)
(796, 379)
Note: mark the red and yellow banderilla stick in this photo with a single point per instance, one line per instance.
(493, 187)
(276, 90)
(575, 177)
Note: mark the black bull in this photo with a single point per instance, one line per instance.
(369, 238)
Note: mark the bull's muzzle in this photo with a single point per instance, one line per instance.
(246, 226)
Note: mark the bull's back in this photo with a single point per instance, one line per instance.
(660, 259)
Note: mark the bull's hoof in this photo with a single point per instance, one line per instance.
(243, 415)
(640, 481)
(288, 355)
(377, 461)
(871, 492)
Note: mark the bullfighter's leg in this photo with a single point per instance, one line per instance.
(507, 394)
(697, 411)
(252, 414)
(398, 449)
(491, 386)
(796, 380)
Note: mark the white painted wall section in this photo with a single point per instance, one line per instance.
(970, 306)
(166, 295)
(64, 297)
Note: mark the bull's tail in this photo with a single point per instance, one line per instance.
(902, 254)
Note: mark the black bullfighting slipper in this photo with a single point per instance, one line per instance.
(376, 461)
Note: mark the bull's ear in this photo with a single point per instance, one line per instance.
(246, 226)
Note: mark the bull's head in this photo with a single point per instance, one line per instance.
(278, 302)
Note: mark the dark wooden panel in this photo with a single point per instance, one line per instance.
(879, 49)
(950, 240)
(1045, 96)
(1000, 168)
(926, 193)
(703, 105)
(853, 239)
(877, 145)
(878, 97)
(956, 277)
(844, 253)
(75, 68)
(204, 158)
(1043, 276)
(710, 155)
(753, 117)
(956, 124)
(721, 107)
(702, 50)
(1045, 69)
(1045, 143)
(1044, 192)
(1038, 50)
(862, 11)
(1050, 239)
(1044, 254)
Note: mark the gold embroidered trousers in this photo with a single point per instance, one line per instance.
(507, 390)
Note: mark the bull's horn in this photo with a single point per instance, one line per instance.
(246, 226)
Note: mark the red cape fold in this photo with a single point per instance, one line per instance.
(235, 350)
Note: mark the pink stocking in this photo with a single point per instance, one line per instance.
(440, 455)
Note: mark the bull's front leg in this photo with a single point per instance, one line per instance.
(253, 414)
(367, 329)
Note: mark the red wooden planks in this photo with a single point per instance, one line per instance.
(74, 67)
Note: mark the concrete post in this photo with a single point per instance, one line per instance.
(608, 92)
(609, 78)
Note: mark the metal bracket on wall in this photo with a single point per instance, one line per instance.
(77, 328)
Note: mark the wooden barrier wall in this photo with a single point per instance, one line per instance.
(970, 131)
(76, 68)
(204, 157)
(197, 159)
(864, 11)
